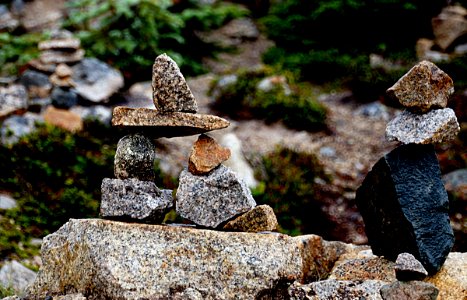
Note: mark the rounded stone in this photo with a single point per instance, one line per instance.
(134, 158)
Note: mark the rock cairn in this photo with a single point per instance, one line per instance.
(402, 200)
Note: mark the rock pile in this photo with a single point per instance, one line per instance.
(402, 200)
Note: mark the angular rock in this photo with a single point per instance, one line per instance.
(62, 76)
(170, 90)
(449, 25)
(7, 202)
(36, 83)
(114, 260)
(134, 200)
(13, 99)
(375, 268)
(68, 44)
(95, 80)
(405, 206)
(60, 57)
(409, 268)
(134, 158)
(213, 199)
(451, 280)
(413, 290)
(156, 124)
(423, 88)
(63, 118)
(335, 289)
(63, 97)
(436, 126)
(206, 155)
(15, 127)
(260, 218)
(16, 276)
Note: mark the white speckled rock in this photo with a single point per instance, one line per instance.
(170, 90)
(113, 260)
(134, 158)
(209, 200)
(436, 126)
(409, 268)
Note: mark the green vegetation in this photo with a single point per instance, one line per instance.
(16, 51)
(131, 33)
(288, 187)
(295, 107)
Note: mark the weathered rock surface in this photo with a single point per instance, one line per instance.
(409, 268)
(336, 289)
(374, 268)
(424, 87)
(95, 80)
(63, 118)
(16, 276)
(212, 199)
(92, 257)
(449, 25)
(134, 158)
(451, 280)
(15, 127)
(13, 98)
(170, 90)
(405, 206)
(134, 200)
(412, 290)
(260, 218)
(436, 126)
(206, 155)
(170, 124)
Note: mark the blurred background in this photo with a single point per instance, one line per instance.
(302, 82)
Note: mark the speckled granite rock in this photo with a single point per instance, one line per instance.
(436, 126)
(134, 200)
(451, 280)
(13, 98)
(375, 268)
(170, 124)
(134, 158)
(92, 257)
(409, 268)
(335, 289)
(213, 199)
(260, 218)
(412, 290)
(405, 206)
(170, 90)
(206, 155)
(424, 87)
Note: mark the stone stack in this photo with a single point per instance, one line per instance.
(402, 200)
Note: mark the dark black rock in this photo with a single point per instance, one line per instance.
(134, 158)
(63, 97)
(405, 206)
(35, 79)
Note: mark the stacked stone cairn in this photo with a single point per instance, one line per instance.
(402, 200)
(209, 193)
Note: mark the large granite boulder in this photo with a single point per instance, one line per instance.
(405, 206)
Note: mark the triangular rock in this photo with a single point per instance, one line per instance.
(206, 154)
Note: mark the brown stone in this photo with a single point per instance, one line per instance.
(260, 218)
(36, 64)
(412, 290)
(58, 57)
(449, 25)
(63, 118)
(63, 70)
(206, 154)
(423, 88)
(157, 124)
(369, 268)
(60, 44)
(170, 90)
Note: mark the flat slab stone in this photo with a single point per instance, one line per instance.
(436, 126)
(169, 124)
(62, 44)
(405, 206)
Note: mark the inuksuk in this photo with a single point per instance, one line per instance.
(402, 200)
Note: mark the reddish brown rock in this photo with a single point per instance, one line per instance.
(63, 118)
(368, 268)
(449, 25)
(260, 218)
(206, 154)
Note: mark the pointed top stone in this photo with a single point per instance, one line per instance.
(170, 90)
(423, 88)
(409, 268)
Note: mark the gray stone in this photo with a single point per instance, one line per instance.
(409, 268)
(188, 294)
(7, 202)
(455, 182)
(16, 276)
(171, 124)
(134, 200)
(222, 85)
(449, 25)
(134, 158)
(140, 95)
(405, 207)
(36, 83)
(15, 127)
(374, 110)
(209, 200)
(7, 21)
(423, 88)
(67, 44)
(115, 260)
(95, 80)
(436, 126)
(260, 218)
(61, 57)
(336, 289)
(76, 296)
(13, 98)
(100, 113)
(413, 290)
(63, 97)
(170, 90)
(38, 16)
